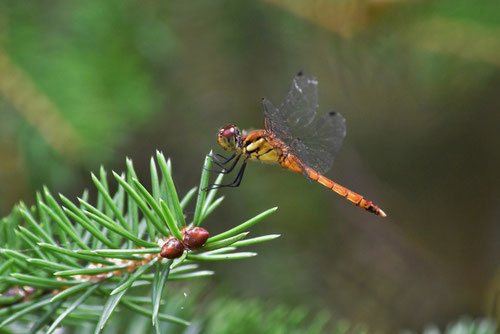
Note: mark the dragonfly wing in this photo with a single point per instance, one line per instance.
(314, 140)
(301, 102)
(298, 109)
(275, 121)
(321, 141)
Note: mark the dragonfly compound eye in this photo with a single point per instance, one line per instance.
(229, 131)
(229, 137)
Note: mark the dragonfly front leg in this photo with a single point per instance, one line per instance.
(235, 183)
(225, 170)
(222, 160)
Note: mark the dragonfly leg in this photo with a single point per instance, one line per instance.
(226, 170)
(235, 183)
(230, 169)
(219, 160)
(222, 160)
(239, 177)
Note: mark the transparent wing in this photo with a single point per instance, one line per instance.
(319, 147)
(314, 140)
(297, 110)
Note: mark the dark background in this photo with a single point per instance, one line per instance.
(89, 83)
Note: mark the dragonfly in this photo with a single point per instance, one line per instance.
(295, 137)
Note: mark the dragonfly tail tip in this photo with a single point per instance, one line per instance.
(381, 213)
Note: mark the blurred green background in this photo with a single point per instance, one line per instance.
(84, 83)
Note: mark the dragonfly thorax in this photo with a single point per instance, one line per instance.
(229, 138)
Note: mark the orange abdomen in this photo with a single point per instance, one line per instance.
(292, 163)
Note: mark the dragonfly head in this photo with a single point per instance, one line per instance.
(229, 138)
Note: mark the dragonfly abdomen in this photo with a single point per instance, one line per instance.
(292, 164)
(350, 195)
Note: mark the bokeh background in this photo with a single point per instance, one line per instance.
(84, 83)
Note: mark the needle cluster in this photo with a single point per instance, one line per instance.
(62, 261)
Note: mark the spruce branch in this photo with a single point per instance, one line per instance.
(64, 261)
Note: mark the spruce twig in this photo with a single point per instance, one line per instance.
(59, 259)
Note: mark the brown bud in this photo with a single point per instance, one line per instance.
(194, 237)
(172, 248)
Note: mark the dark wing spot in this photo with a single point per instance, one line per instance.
(300, 73)
(332, 113)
